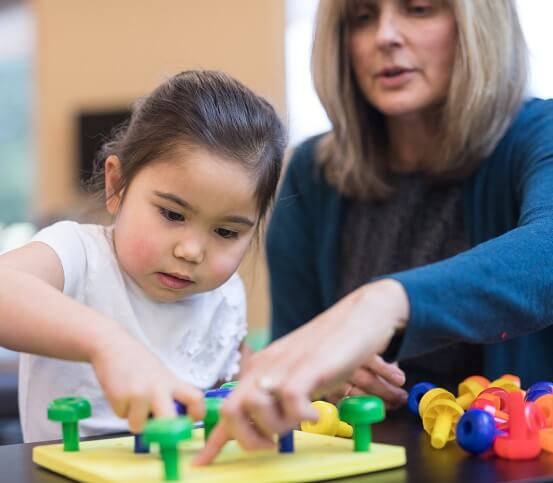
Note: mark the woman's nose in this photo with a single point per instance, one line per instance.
(388, 34)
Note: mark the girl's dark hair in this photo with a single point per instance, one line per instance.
(205, 109)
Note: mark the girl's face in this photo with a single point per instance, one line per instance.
(184, 224)
(402, 53)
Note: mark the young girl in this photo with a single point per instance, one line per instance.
(150, 309)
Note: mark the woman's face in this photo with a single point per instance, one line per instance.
(402, 53)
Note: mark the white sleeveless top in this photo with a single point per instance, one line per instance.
(197, 337)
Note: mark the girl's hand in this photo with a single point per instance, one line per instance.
(279, 382)
(376, 377)
(136, 383)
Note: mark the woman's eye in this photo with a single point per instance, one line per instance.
(363, 17)
(224, 233)
(420, 10)
(171, 215)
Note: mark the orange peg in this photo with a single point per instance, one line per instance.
(545, 403)
(483, 381)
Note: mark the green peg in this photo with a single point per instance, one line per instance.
(230, 385)
(69, 411)
(212, 408)
(168, 432)
(361, 412)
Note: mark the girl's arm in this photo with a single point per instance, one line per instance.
(36, 317)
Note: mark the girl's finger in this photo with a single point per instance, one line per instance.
(138, 414)
(192, 398)
(163, 406)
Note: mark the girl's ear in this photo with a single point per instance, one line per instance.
(113, 175)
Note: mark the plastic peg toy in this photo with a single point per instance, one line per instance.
(361, 412)
(546, 439)
(522, 439)
(483, 381)
(212, 408)
(168, 433)
(434, 394)
(221, 392)
(538, 389)
(286, 442)
(140, 446)
(181, 408)
(468, 392)
(505, 383)
(491, 403)
(415, 395)
(512, 377)
(542, 385)
(229, 385)
(439, 420)
(531, 396)
(545, 403)
(69, 411)
(476, 431)
(329, 421)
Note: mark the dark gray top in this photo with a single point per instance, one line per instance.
(421, 224)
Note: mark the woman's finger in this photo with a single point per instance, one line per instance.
(366, 381)
(389, 371)
(217, 439)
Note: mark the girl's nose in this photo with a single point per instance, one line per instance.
(190, 249)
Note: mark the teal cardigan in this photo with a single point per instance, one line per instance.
(498, 293)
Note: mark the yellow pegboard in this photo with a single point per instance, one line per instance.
(316, 458)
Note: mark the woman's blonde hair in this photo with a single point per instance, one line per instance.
(487, 88)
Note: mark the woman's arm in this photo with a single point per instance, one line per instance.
(295, 279)
(279, 382)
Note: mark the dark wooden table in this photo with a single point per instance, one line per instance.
(424, 464)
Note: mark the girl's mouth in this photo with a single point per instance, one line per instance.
(173, 281)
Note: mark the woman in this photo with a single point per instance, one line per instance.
(424, 218)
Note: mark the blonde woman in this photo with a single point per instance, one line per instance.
(422, 221)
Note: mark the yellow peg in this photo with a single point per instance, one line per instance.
(506, 383)
(437, 393)
(329, 421)
(468, 391)
(440, 419)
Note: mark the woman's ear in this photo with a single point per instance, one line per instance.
(113, 174)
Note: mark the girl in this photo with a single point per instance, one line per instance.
(149, 309)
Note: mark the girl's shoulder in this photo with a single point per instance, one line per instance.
(67, 234)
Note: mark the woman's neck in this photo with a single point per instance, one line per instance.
(413, 145)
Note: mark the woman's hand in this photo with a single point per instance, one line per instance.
(136, 383)
(376, 377)
(279, 382)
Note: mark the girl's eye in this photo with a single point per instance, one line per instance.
(171, 215)
(224, 233)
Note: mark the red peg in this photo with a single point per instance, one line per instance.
(492, 403)
(522, 439)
